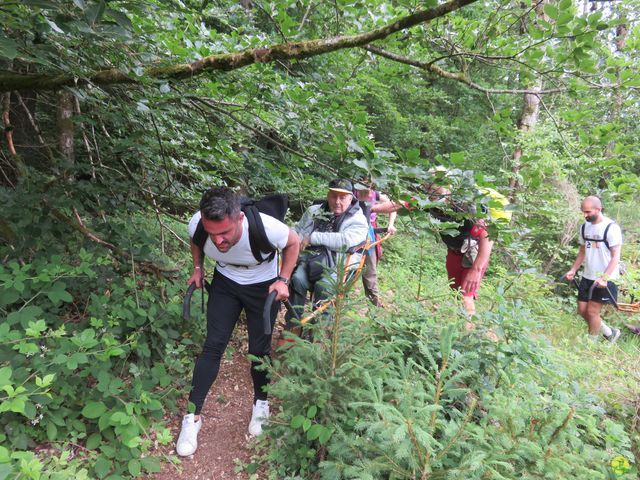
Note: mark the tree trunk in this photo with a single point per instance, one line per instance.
(528, 118)
(618, 97)
(65, 125)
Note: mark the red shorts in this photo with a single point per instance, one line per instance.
(457, 273)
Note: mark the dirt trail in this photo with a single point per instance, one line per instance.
(223, 439)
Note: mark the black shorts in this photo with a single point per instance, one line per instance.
(600, 295)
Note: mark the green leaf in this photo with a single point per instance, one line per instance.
(4, 455)
(5, 470)
(93, 441)
(120, 18)
(5, 376)
(102, 466)
(325, 435)
(311, 412)
(135, 467)
(94, 12)
(551, 10)
(94, 409)
(151, 464)
(57, 293)
(8, 48)
(306, 424)
(314, 432)
(52, 431)
(35, 328)
(457, 158)
(297, 421)
(17, 405)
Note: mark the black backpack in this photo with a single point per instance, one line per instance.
(275, 206)
(604, 236)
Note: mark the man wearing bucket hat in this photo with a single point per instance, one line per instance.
(327, 231)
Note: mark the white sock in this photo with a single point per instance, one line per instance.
(605, 329)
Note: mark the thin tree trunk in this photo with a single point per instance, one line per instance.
(65, 124)
(618, 97)
(529, 116)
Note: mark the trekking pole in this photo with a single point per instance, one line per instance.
(186, 302)
(591, 289)
(266, 313)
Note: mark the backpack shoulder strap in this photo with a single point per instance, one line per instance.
(604, 236)
(582, 232)
(200, 236)
(258, 240)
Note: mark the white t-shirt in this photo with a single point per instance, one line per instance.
(238, 263)
(597, 255)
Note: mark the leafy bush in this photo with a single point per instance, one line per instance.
(78, 367)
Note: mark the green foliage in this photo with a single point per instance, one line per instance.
(412, 394)
(79, 368)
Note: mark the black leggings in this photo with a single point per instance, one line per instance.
(226, 300)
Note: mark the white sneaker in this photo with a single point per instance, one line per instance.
(188, 439)
(258, 417)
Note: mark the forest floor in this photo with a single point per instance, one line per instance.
(223, 441)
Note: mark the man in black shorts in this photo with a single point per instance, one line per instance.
(600, 241)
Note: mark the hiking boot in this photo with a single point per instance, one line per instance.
(258, 417)
(188, 439)
(615, 334)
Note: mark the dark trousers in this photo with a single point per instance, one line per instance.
(226, 300)
(300, 286)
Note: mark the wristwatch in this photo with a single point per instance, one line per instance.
(284, 280)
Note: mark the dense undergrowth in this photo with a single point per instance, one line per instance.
(409, 393)
(93, 355)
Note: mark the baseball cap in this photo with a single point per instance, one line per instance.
(341, 185)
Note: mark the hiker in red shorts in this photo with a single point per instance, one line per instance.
(468, 251)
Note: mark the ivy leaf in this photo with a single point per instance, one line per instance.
(94, 409)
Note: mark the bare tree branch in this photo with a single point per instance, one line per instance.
(229, 61)
(457, 76)
(257, 131)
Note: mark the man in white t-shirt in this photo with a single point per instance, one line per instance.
(240, 282)
(600, 244)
